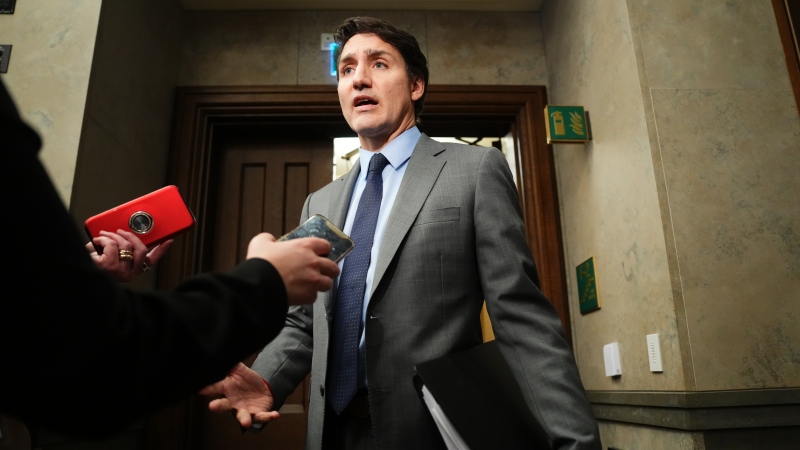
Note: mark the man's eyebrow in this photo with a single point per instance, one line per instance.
(371, 52)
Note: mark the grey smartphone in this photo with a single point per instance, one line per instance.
(319, 226)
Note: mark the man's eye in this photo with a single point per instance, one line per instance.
(347, 70)
(380, 65)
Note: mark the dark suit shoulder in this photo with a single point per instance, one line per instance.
(466, 151)
(471, 155)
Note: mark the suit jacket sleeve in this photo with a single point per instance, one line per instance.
(527, 327)
(87, 356)
(286, 360)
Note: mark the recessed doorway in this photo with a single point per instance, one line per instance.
(208, 117)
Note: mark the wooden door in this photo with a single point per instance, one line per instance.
(294, 111)
(260, 185)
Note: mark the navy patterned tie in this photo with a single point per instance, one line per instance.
(350, 293)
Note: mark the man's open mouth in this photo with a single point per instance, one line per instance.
(363, 101)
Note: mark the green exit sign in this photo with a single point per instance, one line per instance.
(566, 124)
(588, 297)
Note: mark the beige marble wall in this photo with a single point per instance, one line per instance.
(486, 48)
(53, 44)
(283, 47)
(728, 130)
(609, 202)
(266, 47)
(242, 48)
(686, 195)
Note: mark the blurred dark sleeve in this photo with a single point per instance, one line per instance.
(85, 355)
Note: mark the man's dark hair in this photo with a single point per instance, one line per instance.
(404, 42)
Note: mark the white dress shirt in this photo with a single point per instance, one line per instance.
(398, 151)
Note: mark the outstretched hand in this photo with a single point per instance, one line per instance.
(244, 392)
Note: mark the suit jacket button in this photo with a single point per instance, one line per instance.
(322, 390)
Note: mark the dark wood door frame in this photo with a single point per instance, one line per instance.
(203, 112)
(485, 110)
(489, 110)
(787, 14)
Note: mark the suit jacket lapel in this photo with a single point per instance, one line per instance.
(338, 203)
(423, 169)
(340, 197)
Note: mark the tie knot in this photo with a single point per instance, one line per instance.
(377, 163)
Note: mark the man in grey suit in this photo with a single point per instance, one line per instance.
(448, 234)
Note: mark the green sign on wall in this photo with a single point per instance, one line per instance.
(588, 297)
(566, 124)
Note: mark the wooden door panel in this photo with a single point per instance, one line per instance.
(261, 186)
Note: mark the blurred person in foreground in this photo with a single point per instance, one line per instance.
(87, 356)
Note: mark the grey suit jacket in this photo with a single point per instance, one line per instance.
(455, 237)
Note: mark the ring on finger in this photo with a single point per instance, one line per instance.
(125, 255)
(145, 267)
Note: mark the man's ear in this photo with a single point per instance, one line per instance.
(417, 88)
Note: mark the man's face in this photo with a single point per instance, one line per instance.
(375, 93)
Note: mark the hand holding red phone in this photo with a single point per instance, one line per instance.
(128, 239)
(154, 217)
(124, 255)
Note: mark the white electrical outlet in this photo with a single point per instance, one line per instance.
(325, 41)
(611, 359)
(654, 353)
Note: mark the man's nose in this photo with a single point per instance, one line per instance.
(361, 78)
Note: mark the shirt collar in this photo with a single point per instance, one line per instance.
(397, 151)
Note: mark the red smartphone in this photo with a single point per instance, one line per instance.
(154, 218)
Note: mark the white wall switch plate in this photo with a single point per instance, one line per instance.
(611, 358)
(654, 353)
(325, 41)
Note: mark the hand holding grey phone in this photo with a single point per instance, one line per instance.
(319, 226)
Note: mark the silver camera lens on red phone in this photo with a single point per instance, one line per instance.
(140, 222)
